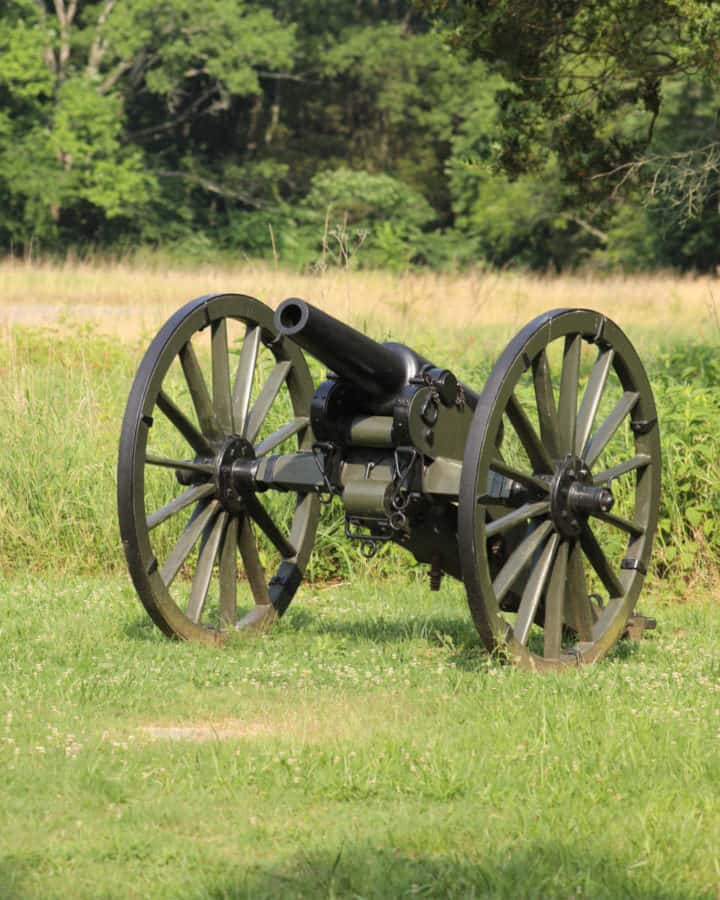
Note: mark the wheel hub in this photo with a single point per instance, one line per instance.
(234, 472)
(574, 497)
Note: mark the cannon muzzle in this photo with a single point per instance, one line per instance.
(377, 369)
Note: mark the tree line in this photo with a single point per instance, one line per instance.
(547, 134)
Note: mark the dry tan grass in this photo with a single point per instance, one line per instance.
(134, 299)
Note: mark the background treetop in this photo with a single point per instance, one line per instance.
(442, 133)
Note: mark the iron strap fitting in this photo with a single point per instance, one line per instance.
(642, 426)
(369, 543)
(633, 564)
(322, 453)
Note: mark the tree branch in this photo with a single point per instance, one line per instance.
(66, 15)
(684, 179)
(182, 117)
(212, 187)
(99, 44)
(48, 54)
(591, 229)
(115, 75)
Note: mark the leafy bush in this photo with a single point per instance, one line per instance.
(686, 381)
(346, 210)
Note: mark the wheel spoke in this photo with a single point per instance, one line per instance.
(282, 434)
(533, 590)
(204, 568)
(536, 452)
(599, 562)
(222, 399)
(545, 401)
(518, 559)
(227, 573)
(260, 515)
(620, 522)
(523, 478)
(185, 464)
(187, 541)
(244, 377)
(555, 604)
(265, 399)
(187, 498)
(251, 561)
(578, 612)
(199, 393)
(637, 462)
(525, 512)
(567, 399)
(591, 398)
(603, 435)
(186, 428)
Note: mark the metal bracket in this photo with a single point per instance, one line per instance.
(642, 426)
(636, 626)
(368, 542)
(321, 453)
(633, 564)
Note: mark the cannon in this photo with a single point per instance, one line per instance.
(539, 492)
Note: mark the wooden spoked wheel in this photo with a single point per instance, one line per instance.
(214, 384)
(559, 492)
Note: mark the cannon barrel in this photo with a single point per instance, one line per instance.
(377, 369)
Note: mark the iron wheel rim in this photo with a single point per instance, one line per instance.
(553, 558)
(229, 395)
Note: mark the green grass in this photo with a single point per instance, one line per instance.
(366, 748)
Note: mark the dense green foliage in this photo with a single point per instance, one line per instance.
(325, 133)
(367, 747)
(608, 101)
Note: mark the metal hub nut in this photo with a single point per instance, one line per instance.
(587, 499)
(235, 471)
(574, 497)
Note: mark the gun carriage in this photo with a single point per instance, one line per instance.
(540, 492)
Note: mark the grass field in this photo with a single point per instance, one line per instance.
(368, 747)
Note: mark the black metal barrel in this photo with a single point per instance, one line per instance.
(375, 368)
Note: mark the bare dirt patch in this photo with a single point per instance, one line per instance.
(206, 731)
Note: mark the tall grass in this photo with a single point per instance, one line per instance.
(134, 297)
(62, 396)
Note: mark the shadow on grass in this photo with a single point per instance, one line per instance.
(624, 650)
(458, 635)
(455, 634)
(444, 631)
(537, 870)
(143, 629)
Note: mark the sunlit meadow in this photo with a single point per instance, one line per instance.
(368, 747)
